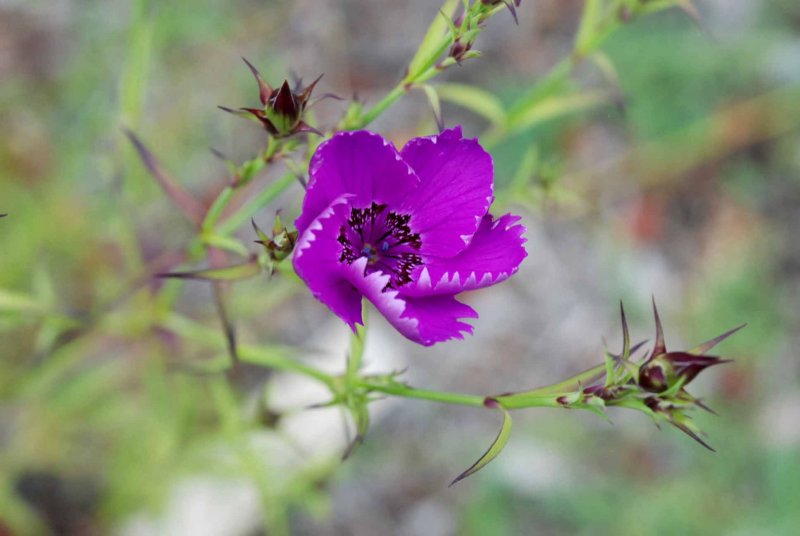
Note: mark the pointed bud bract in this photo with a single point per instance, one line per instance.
(282, 114)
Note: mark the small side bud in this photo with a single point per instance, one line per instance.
(282, 242)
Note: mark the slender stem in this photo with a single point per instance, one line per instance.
(271, 357)
(398, 91)
(250, 208)
(276, 360)
(422, 394)
(215, 211)
(425, 72)
(531, 401)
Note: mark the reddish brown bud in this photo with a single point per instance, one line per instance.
(282, 114)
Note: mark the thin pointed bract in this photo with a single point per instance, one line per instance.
(227, 326)
(626, 338)
(659, 347)
(247, 113)
(323, 97)
(708, 345)
(691, 433)
(305, 94)
(264, 89)
(302, 126)
(182, 199)
(637, 346)
(513, 11)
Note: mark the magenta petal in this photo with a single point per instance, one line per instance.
(361, 164)
(454, 192)
(316, 261)
(494, 255)
(424, 320)
(439, 318)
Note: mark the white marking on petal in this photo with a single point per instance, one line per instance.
(424, 278)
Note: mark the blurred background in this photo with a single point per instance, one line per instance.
(669, 166)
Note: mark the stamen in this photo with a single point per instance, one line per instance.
(392, 256)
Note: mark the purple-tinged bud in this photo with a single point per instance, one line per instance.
(282, 114)
(459, 50)
(662, 370)
(656, 376)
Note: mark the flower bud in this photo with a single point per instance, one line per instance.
(656, 376)
(663, 370)
(459, 50)
(283, 108)
(282, 242)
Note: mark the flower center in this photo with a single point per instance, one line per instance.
(385, 239)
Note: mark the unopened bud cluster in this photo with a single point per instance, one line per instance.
(655, 385)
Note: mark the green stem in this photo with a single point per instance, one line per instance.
(216, 208)
(272, 359)
(268, 194)
(530, 401)
(422, 394)
(390, 98)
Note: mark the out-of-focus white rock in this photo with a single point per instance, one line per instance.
(211, 505)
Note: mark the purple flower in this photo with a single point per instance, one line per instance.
(408, 230)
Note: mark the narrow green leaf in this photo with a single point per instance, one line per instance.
(186, 203)
(229, 273)
(431, 47)
(495, 448)
(528, 167)
(606, 66)
(610, 364)
(553, 84)
(557, 106)
(361, 420)
(436, 106)
(19, 303)
(474, 99)
(587, 377)
(216, 209)
(225, 242)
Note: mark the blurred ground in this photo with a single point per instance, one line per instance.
(688, 191)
